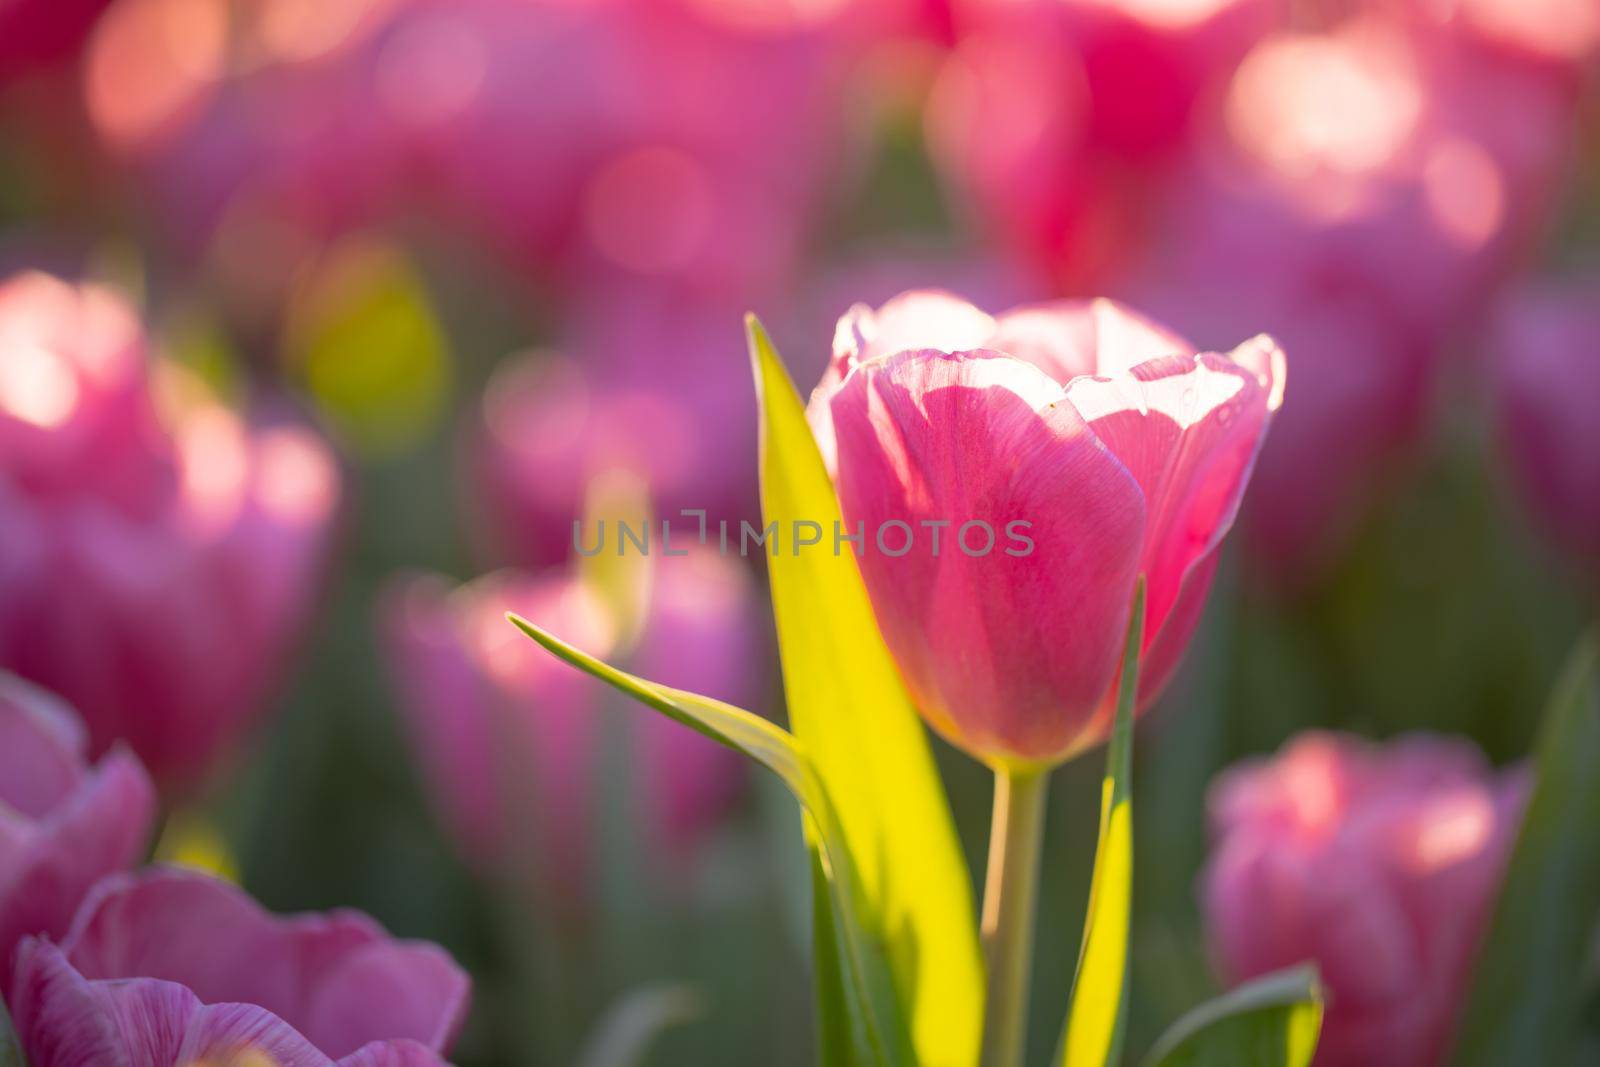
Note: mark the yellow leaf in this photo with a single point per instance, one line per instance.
(849, 709)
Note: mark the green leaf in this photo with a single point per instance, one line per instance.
(1098, 1011)
(1272, 1021)
(849, 708)
(625, 1034)
(1526, 996)
(867, 990)
(10, 1048)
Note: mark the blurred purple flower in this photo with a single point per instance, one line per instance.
(161, 554)
(172, 966)
(1547, 341)
(1379, 863)
(63, 823)
(510, 740)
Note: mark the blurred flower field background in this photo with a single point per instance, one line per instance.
(321, 322)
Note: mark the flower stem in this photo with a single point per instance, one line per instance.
(1008, 911)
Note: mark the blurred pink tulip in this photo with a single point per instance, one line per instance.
(1547, 342)
(172, 966)
(511, 741)
(1059, 119)
(160, 558)
(655, 382)
(564, 136)
(38, 34)
(66, 824)
(1367, 239)
(1121, 452)
(1379, 863)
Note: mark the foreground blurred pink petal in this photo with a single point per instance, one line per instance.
(63, 823)
(1547, 342)
(1117, 449)
(171, 966)
(160, 557)
(1381, 863)
(511, 741)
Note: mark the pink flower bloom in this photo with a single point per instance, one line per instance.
(510, 741)
(63, 823)
(160, 558)
(172, 966)
(1381, 864)
(1122, 451)
(1548, 362)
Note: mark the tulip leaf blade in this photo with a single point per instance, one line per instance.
(1271, 1021)
(1525, 1002)
(11, 1054)
(864, 986)
(848, 706)
(1098, 1010)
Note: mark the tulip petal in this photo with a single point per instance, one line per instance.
(59, 1019)
(1070, 338)
(916, 319)
(246, 1035)
(1189, 429)
(929, 436)
(42, 747)
(103, 827)
(393, 1054)
(388, 990)
(337, 977)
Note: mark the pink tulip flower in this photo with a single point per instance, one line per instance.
(1118, 449)
(161, 554)
(66, 824)
(1059, 120)
(1548, 386)
(1381, 863)
(173, 966)
(510, 740)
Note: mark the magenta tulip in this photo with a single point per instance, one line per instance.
(159, 558)
(1548, 358)
(511, 742)
(1379, 863)
(66, 824)
(1065, 449)
(175, 967)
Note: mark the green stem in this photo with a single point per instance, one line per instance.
(1008, 911)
